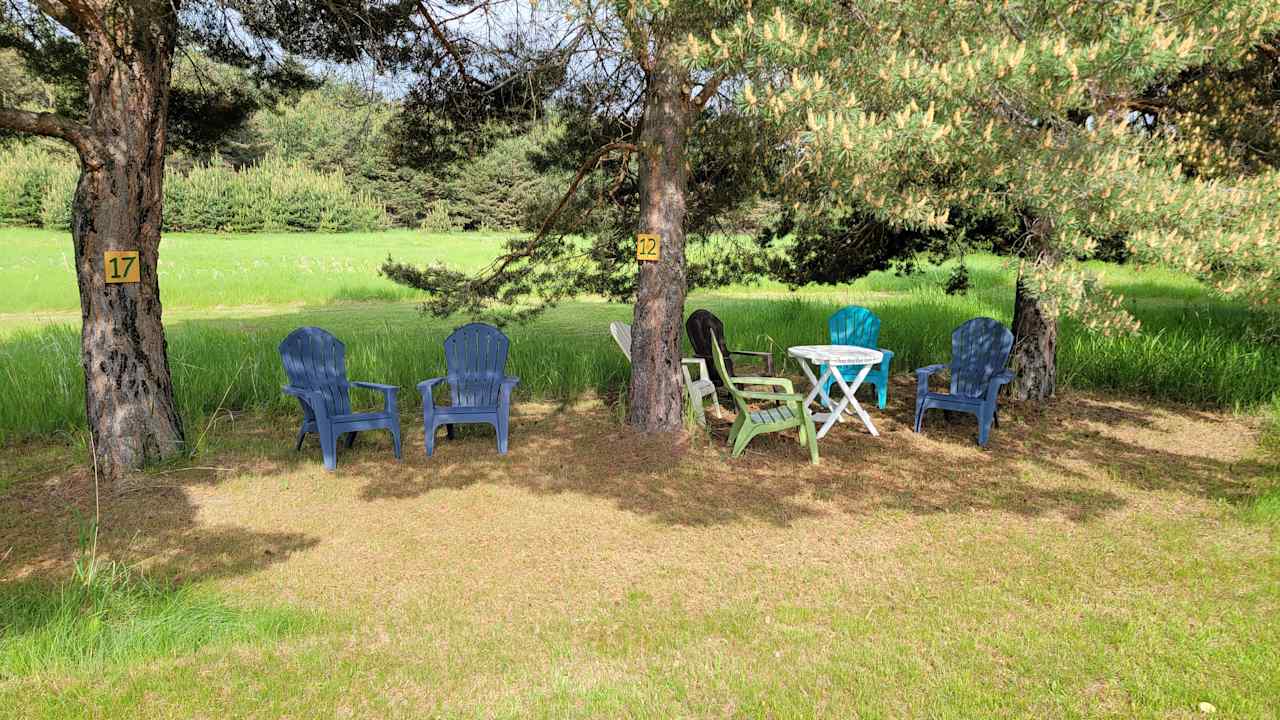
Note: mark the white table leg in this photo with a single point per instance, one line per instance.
(817, 383)
(829, 417)
(850, 399)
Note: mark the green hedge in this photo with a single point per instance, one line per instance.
(37, 185)
(274, 194)
(25, 174)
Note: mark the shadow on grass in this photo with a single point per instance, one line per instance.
(150, 519)
(1082, 458)
(61, 613)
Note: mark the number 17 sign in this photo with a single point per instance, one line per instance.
(121, 266)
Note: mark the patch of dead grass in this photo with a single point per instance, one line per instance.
(581, 499)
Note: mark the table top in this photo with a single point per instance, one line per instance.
(836, 354)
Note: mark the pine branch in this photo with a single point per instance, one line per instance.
(444, 41)
(451, 290)
(55, 126)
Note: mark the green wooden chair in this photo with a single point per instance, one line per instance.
(788, 410)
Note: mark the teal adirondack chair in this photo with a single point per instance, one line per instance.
(788, 412)
(859, 326)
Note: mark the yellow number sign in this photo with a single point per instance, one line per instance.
(647, 246)
(121, 266)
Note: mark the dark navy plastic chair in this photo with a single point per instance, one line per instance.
(316, 363)
(860, 327)
(979, 351)
(476, 359)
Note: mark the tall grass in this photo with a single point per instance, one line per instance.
(234, 364)
(1194, 348)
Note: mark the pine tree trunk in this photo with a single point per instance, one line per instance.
(128, 388)
(656, 387)
(1035, 330)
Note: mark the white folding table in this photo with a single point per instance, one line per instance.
(835, 357)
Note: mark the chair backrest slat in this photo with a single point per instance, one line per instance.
(476, 358)
(979, 349)
(855, 325)
(316, 360)
(720, 365)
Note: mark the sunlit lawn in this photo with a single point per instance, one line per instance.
(199, 270)
(223, 272)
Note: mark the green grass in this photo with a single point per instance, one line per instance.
(199, 270)
(1265, 507)
(111, 618)
(230, 299)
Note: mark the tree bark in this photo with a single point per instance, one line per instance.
(1035, 328)
(128, 387)
(656, 388)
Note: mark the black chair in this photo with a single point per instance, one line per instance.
(701, 327)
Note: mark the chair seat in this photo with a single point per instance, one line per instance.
(949, 399)
(355, 418)
(465, 410)
(782, 413)
(703, 387)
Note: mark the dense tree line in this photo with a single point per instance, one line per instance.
(494, 179)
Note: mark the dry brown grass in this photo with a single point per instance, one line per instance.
(586, 530)
(577, 483)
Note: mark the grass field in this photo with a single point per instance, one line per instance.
(230, 300)
(211, 271)
(1103, 560)
(1112, 555)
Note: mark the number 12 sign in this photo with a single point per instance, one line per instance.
(647, 246)
(121, 266)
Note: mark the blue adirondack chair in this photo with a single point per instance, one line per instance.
(475, 359)
(859, 326)
(316, 363)
(979, 351)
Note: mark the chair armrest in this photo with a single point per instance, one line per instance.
(504, 393)
(426, 386)
(998, 380)
(701, 364)
(780, 397)
(767, 357)
(388, 393)
(888, 358)
(313, 398)
(922, 379)
(783, 383)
